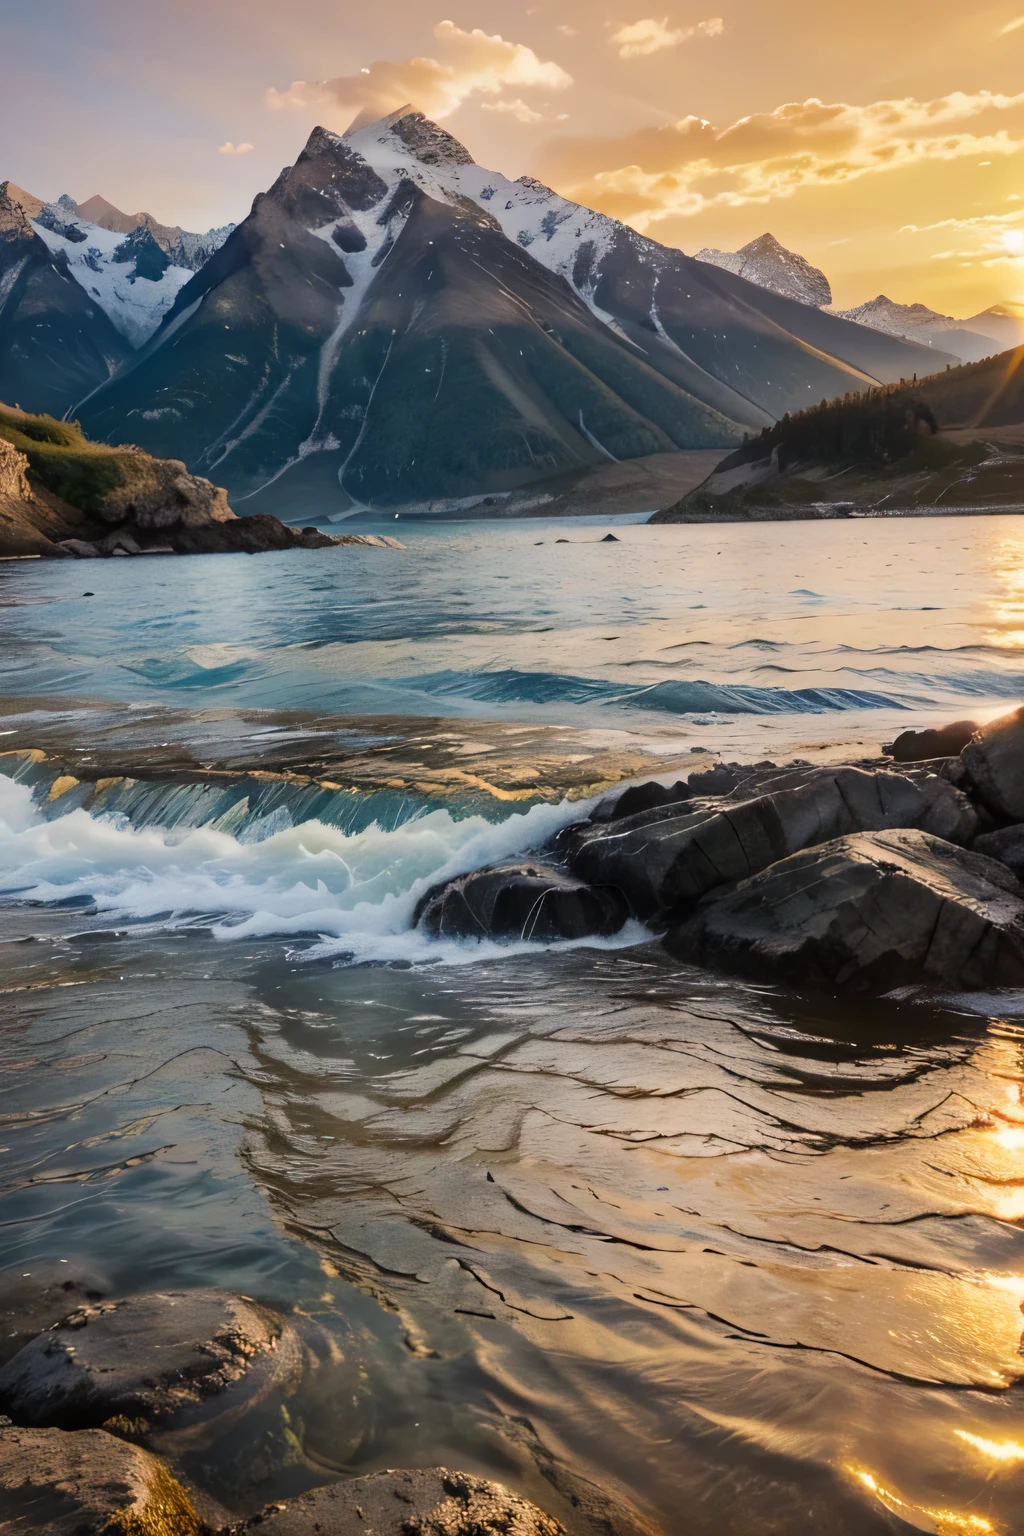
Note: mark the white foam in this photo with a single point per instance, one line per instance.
(356, 891)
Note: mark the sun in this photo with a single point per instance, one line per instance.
(1013, 241)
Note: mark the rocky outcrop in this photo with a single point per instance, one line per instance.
(994, 763)
(857, 876)
(919, 746)
(62, 496)
(88, 1484)
(171, 1361)
(870, 912)
(521, 901)
(663, 859)
(433, 1502)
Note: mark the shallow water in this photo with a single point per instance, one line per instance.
(666, 1252)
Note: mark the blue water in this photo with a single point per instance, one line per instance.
(797, 630)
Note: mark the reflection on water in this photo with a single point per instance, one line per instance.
(606, 1228)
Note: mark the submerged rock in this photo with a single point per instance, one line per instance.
(944, 741)
(433, 1502)
(994, 763)
(521, 901)
(172, 1360)
(664, 859)
(86, 1484)
(34, 1300)
(867, 912)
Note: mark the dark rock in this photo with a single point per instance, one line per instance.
(173, 1360)
(609, 538)
(662, 860)
(85, 1484)
(994, 760)
(719, 779)
(1005, 844)
(640, 797)
(81, 549)
(433, 1502)
(868, 912)
(35, 1296)
(945, 741)
(521, 901)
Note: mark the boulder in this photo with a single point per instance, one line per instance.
(85, 1484)
(35, 1296)
(867, 912)
(943, 741)
(994, 761)
(170, 1361)
(521, 901)
(1005, 844)
(640, 797)
(662, 860)
(81, 549)
(432, 1502)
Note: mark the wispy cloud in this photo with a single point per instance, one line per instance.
(1011, 26)
(691, 166)
(470, 63)
(234, 149)
(640, 38)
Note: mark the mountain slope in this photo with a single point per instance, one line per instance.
(399, 323)
(954, 441)
(768, 263)
(916, 322)
(56, 342)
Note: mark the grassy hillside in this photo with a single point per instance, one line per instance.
(944, 441)
(90, 476)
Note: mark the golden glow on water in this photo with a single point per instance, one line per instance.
(1007, 603)
(946, 1522)
(999, 1450)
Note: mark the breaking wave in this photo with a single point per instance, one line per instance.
(354, 892)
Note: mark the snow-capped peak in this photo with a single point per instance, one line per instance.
(766, 262)
(134, 276)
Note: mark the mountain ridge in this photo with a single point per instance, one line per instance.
(441, 330)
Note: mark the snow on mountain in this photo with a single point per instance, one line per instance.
(134, 275)
(393, 322)
(767, 263)
(916, 322)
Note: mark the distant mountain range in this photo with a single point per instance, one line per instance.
(768, 263)
(82, 287)
(394, 323)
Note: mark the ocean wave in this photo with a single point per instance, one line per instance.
(675, 696)
(354, 893)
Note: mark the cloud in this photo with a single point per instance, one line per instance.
(649, 36)
(234, 149)
(1011, 26)
(516, 108)
(691, 166)
(564, 31)
(470, 63)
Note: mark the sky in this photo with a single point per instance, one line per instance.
(882, 140)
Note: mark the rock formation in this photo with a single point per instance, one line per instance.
(864, 877)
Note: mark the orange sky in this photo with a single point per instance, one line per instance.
(882, 141)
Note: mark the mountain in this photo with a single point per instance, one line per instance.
(57, 342)
(394, 323)
(183, 248)
(955, 440)
(916, 322)
(78, 297)
(765, 262)
(1004, 323)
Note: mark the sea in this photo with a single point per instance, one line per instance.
(565, 1216)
